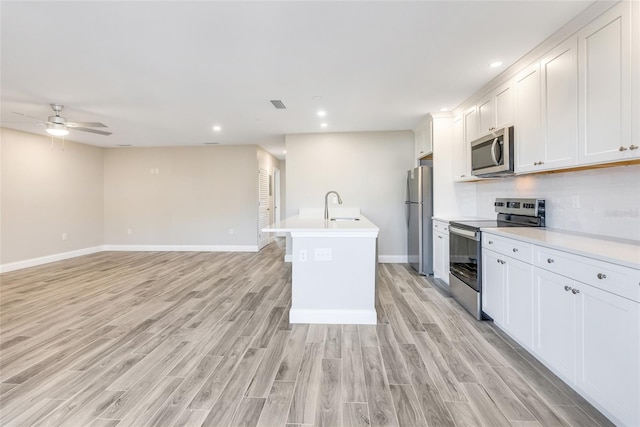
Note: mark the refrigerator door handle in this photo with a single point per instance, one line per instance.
(407, 208)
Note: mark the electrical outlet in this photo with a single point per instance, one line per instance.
(302, 257)
(64, 236)
(322, 254)
(129, 231)
(231, 231)
(575, 201)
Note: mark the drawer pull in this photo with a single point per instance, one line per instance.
(491, 242)
(633, 147)
(602, 276)
(515, 249)
(550, 260)
(622, 148)
(439, 237)
(575, 291)
(567, 288)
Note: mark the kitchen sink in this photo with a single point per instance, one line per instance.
(344, 219)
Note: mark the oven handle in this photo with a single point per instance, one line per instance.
(463, 232)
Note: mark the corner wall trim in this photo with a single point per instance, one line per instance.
(392, 259)
(33, 262)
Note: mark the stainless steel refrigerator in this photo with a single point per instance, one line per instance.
(419, 210)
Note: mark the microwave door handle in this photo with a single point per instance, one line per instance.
(493, 152)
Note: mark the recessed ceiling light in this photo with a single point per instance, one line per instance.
(284, 151)
(495, 64)
(443, 109)
(322, 113)
(323, 125)
(217, 128)
(316, 98)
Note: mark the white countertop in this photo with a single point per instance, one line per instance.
(305, 224)
(609, 250)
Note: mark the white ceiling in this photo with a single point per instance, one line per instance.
(163, 73)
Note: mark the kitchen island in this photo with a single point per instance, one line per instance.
(333, 269)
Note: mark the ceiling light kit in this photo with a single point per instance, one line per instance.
(322, 113)
(323, 125)
(217, 128)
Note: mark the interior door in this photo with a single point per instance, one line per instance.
(263, 207)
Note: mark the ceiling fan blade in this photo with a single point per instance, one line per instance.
(86, 125)
(26, 115)
(99, 132)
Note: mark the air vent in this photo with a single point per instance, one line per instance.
(124, 145)
(278, 104)
(211, 143)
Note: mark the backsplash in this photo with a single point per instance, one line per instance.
(608, 199)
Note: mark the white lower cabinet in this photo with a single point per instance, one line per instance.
(606, 370)
(441, 250)
(555, 325)
(585, 330)
(507, 295)
(518, 298)
(493, 278)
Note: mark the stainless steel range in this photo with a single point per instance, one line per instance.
(465, 255)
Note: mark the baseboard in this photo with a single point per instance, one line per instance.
(345, 317)
(33, 262)
(392, 259)
(182, 248)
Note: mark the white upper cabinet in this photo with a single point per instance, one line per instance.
(461, 153)
(547, 111)
(470, 124)
(528, 119)
(559, 72)
(424, 137)
(495, 111)
(605, 54)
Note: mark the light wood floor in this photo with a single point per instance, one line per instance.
(136, 339)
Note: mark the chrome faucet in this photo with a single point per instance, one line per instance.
(326, 202)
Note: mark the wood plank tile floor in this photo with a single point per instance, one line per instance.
(143, 338)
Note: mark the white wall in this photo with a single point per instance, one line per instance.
(609, 199)
(367, 169)
(48, 191)
(197, 196)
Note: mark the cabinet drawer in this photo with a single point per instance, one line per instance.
(440, 226)
(609, 277)
(508, 247)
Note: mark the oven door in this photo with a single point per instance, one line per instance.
(464, 255)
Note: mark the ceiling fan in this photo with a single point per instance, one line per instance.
(59, 126)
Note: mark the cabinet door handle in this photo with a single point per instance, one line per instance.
(550, 260)
(567, 288)
(575, 291)
(490, 242)
(515, 249)
(622, 148)
(633, 147)
(439, 237)
(602, 276)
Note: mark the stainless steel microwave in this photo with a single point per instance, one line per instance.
(492, 155)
